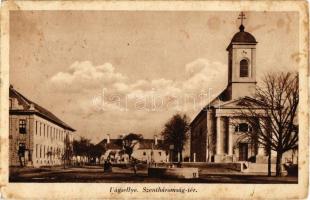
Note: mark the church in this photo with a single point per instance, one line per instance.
(216, 131)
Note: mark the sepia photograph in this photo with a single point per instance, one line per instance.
(155, 96)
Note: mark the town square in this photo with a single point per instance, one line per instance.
(208, 98)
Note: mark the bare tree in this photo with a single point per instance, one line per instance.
(176, 133)
(272, 115)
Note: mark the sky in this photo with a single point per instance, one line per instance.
(116, 72)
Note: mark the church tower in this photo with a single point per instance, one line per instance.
(241, 63)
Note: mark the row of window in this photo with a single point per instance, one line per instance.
(49, 131)
(243, 127)
(43, 130)
(48, 162)
(43, 151)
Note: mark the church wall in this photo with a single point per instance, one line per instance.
(242, 90)
(199, 139)
(211, 134)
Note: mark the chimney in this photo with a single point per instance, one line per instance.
(108, 138)
(155, 140)
(31, 106)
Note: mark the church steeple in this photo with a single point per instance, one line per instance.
(242, 63)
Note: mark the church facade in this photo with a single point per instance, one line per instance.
(217, 131)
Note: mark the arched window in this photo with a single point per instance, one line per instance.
(243, 127)
(244, 68)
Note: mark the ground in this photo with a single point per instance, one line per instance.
(96, 174)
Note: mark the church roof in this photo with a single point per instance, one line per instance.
(242, 37)
(221, 101)
(31, 107)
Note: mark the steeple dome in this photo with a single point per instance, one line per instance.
(242, 37)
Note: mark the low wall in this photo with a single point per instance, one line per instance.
(204, 165)
(261, 168)
(163, 172)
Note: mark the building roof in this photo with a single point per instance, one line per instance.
(33, 108)
(150, 143)
(242, 37)
(113, 144)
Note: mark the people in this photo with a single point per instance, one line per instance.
(135, 167)
(107, 166)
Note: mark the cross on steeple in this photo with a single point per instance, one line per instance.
(241, 17)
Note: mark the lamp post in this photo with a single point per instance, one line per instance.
(152, 152)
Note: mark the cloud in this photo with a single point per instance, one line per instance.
(103, 97)
(84, 75)
(203, 74)
(102, 88)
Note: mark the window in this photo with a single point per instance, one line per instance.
(37, 150)
(243, 127)
(36, 127)
(51, 152)
(44, 130)
(244, 68)
(144, 153)
(159, 153)
(11, 103)
(40, 128)
(22, 126)
(40, 151)
(43, 151)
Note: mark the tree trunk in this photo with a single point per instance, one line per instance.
(279, 163)
(269, 161)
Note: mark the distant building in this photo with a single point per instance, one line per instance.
(113, 150)
(36, 136)
(151, 150)
(148, 150)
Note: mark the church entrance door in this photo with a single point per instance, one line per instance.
(243, 151)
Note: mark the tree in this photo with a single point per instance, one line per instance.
(85, 149)
(175, 133)
(128, 142)
(68, 151)
(273, 115)
(81, 147)
(96, 151)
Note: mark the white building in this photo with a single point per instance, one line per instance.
(147, 150)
